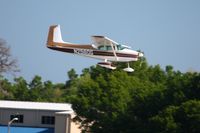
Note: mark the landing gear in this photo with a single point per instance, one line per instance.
(128, 69)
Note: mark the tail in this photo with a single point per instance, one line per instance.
(54, 35)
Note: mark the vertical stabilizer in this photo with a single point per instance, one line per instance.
(54, 35)
(57, 37)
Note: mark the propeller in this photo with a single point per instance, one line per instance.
(140, 56)
(140, 53)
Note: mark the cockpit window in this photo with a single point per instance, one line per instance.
(102, 48)
(106, 48)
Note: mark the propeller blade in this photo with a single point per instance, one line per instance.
(140, 53)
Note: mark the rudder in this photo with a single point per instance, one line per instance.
(54, 35)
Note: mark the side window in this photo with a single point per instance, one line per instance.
(101, 48)
(48, 120)
(108, 48)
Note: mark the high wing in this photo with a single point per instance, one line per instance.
(102, 40)
(105, 41)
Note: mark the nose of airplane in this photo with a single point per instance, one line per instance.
(140, 54)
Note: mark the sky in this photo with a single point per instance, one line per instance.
(168, 31)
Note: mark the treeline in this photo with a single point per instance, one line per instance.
(36, 90)
(151, 99)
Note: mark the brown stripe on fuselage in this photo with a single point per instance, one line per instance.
(68, 45)
(95, 52)
(127, 55)
(112, 54)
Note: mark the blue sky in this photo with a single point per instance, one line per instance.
(168, 31)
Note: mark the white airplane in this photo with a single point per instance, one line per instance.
(102, 48)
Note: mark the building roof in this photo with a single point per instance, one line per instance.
(35, 105)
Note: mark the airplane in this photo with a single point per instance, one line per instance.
(102, 48)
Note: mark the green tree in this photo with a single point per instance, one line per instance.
(188, 116)
(165, 122)
(72, 77)
(36, 89)
(21, 90)
(6, 91)
(72, 74)
(101, 101)
(178, 119)
(156, 74)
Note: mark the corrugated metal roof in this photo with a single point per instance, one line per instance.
(35, 105)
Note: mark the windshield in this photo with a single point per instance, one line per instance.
(120, 47)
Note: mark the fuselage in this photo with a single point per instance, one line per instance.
(125, 55)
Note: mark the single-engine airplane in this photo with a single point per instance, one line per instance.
(102, 48)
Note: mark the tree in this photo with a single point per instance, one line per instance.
(165, 122)
(21, 91)
(178, 119)
(6, 91)
(36, 89)
(148, 100)
(45, 91)
(101, 101)
(7, 63)
(72, 76)
(188, 116)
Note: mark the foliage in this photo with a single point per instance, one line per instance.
(150, 99)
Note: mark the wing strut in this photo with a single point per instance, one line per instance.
(114, 51)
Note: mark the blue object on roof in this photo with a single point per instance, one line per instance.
(14, 129)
